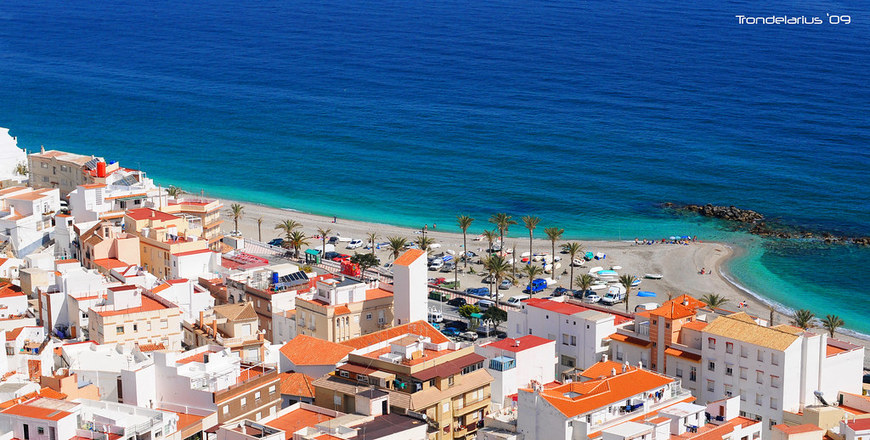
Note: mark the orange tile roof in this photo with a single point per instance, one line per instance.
(297, 384)
(9, 290)
(673, 310)
(93, 185)
(695, 325)
(419, 328)
(44, 392)
(683, 354)
(630, 340)
(519, 344)
(717, 432)
(144, 348)
(408, 257)
(308, 350)
(372, 294)
(68, 260)
(148, 305)
(36, 412)
(296, 420)
(341, 310)
(603, 369)
(799, 429)
(29, 196)
(199, 251)
(830, 350)
(110, 263)
(573, 399)
(148, 213)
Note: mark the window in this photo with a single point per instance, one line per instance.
(272, 389)
(135, 327)
(711, 343)
(711, 386)
(729, 347)
(450, 381)
(568, 361)
(759, 376)
(758, 399)
(565, 339)
(760, 356)
(774, 381)
(40, 430)
(119, 329)
(743, 372)
(574, 341)
(336, 399)
(774, 403)
(226, 409)
(711, 365)
(679, 372)
(368, 316)
(445, 407)
(363, 378)
(693, 374)
(744, 352)
(729, 370)
(43, 165)
(742, 395)
(774, 359)
(244, 402)
(257, 397)
(728, 392)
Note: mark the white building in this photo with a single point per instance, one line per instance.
(26, 218)
(774, 369)
(579, 332)
(856, 429)
(9, 268)
(41, 418)
(13, 302)
(581, 409)
(187, 295)
(515, 363)
(10, 158)
(410, 292)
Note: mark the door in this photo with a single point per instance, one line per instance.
(385, 407)
(26, 432)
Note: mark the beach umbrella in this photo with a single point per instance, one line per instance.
(646, 294)
(672, 238)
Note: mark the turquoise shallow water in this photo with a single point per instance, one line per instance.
(587, 115)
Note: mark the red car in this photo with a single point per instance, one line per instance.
(437, 281)
(340, 258)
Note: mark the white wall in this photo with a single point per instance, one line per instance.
(410, 292)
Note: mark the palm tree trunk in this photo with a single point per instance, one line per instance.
(571, 281)
(530, 247)
(464, 249)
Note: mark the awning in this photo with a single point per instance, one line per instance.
(312, 251)
(477, 315)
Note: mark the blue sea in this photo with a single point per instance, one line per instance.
(586, 113)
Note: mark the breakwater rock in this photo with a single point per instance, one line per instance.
(757, 224)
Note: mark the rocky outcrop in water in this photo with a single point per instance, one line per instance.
(755, 223)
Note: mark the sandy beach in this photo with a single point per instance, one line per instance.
(680, 265)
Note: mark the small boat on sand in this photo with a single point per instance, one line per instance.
(653, 276)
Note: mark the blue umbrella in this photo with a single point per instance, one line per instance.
(646, 294)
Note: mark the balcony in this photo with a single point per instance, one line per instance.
(471, 407)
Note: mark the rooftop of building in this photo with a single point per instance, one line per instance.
(297, 419)
(859, 425)
(716, 432)
(308, 350)
(297, 384)
(384, 425)
(742, 327)
(236, 312)
(42, 408)
(148, 305)
(9, 290)
(418, 328)
(519, 344)
(564, 308)
(798, 429)
(139, 214)
(408, 257)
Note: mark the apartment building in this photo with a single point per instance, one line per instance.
(774, 369)
(515, 363)
(233, 326)
(27, 218)
(312, 356)
(344, 308)
(204, 214)
(185, 294)
(580, 332)
(420, 371)
(13, 302)
(105, 246)
(607, 394)
(131, 315)
(207, 379)
(167, 248)
(62, 170)
(411, 287)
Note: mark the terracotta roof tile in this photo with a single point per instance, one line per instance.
(799, 429)
(236, 312)
(742, 327)
(408, 257)
(517, 345)
(683, 354)
(419, 328)
(630, 340)
(296, 420)
(297, 384)
(308, 350)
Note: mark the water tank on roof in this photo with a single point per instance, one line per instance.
(274, 277)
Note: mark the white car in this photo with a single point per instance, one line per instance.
(436, 264)
(355, 244)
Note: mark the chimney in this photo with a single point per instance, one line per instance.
(604, 357)
(516, 342)
(613, 371)
(624, 367)
(640, 364)
(201, 315)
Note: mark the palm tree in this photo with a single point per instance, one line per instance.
(288, 226)
(532, 271)
(424, 242)
(714, 300)
(297, 239)
(174, 191)
(554, 234)
(260, 229)
(803, 318)
(373, 237)
(464, 223)
(236, 212)
(502, 222)
(498, 268)
(490, 237)
(584, 282)
(832, 323)
(626, 281)
(21, 169)
(514, 261)
(323, 232)
(397, 244)
(572, 248)
(531, 223)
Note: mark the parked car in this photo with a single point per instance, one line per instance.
(435, 316)
(330, 255)
(457, 302)
(451, 285)
(645, 306)
(436, 264)
(355, 244)
(341, 258)
(438, 296)
(459, 325)
(615, 294)
(591, 297)
(485, 330)
(484, 304)
(477, 291)
(451, 331)
(516, 301)
(537, 285)
(449, 267)
(468, 336)
(276, 242)
(505, 284)
(560, 291)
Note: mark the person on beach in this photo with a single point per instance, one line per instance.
(334, 219)
(434, 226)
(702, 271)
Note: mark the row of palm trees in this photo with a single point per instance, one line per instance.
(802, 318)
